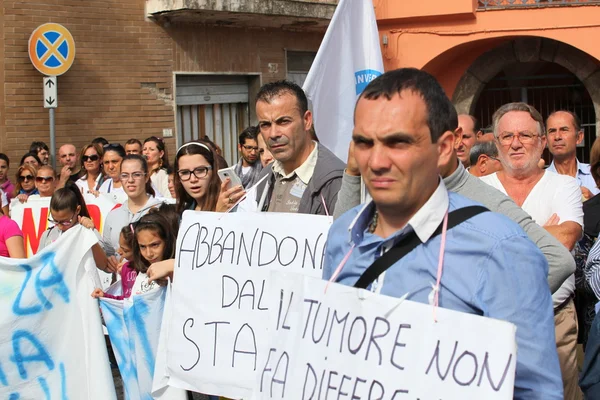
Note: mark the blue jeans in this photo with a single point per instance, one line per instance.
(589, 381)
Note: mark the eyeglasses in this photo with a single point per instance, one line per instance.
(200, 173)
(250, 148)
(93, 157)
(135, 175)
(67, 222)
(25, 178)
(44, 179)
(524, 137)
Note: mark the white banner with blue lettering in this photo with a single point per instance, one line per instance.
(51, 340)
(134, 326)
(348, 59)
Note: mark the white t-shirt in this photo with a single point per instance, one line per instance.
(245, 170)
(553, 194)
(117, 194)
(83, 185)
(3, 198)
(160, 181)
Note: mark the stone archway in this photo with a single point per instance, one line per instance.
(527, 49)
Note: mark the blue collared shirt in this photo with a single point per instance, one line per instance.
(584, 176)
(491, 269)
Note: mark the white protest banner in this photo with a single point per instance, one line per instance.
(51, 340)
(134, 326)
(32, 216)
(219, 313)
(337, 341)
(348, 59)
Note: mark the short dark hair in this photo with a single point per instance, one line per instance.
(576, 120)
(275, 89)
(441, 114)
(250, 132)
(479, 148)
(476, 123)
(5, 158)
(133, 141)
(34, 147)
(101, 141)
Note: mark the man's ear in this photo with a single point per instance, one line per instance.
(580, 136)
(482, 163)
(458, 135)
(308, 120)
(445, 145)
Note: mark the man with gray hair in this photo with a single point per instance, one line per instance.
(484, 159)
(553, 201)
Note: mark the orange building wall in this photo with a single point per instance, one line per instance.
(446, 47)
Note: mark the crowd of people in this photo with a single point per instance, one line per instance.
(529, 256)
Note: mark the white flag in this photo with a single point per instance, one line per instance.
(348, 59)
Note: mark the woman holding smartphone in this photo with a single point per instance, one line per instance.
(197, 184)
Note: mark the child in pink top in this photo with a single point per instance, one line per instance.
(9, 230)
(127, 272)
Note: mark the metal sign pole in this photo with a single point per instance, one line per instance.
(52, 138)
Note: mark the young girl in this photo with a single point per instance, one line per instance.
(67, 209)
(140, 199)
(128, 274)
(153, 241)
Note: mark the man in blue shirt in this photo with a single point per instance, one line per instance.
(564, 134)
(403, 132)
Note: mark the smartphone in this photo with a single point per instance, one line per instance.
(230, 173)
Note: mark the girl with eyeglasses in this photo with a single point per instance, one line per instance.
(158, 161)
(140, 199)
(197, 184)
(25, 186)
(113, 157)
(91, 163)
(45, 181)
(199, 188)
(68, 209)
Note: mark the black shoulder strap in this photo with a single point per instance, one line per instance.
(408, 244)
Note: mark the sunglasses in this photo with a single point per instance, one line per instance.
(44, 179)
(112, 146)
(93, 157)
(25, 178)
